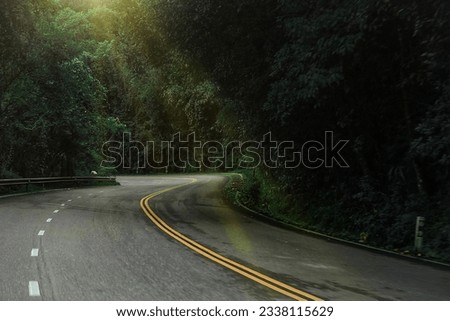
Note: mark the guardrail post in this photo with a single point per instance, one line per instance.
(418, 242)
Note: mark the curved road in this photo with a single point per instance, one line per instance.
(98, 244)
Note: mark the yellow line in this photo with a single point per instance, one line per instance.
(256, 276)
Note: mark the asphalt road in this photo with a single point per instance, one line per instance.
(97, 244)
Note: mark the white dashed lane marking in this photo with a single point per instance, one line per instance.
(33, 288)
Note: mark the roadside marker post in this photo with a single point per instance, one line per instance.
(418, 243)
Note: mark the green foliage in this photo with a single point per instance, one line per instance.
(51, 109)
(373, 71)
(77, 73)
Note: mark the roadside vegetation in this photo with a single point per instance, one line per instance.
(75, 74)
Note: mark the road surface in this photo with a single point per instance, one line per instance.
(99, 244)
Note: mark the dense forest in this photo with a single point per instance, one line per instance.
(77, 73)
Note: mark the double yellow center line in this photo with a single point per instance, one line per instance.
(249, 273)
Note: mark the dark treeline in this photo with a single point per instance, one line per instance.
(375, 72)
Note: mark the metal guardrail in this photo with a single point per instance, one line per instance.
(55, 180)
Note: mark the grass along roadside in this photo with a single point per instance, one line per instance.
(243, 190)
